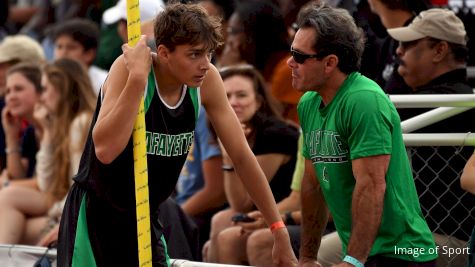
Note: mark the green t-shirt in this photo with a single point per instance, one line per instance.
(359, 122)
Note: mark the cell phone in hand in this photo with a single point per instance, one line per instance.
(241, 217)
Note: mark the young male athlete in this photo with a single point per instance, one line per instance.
(98, 227)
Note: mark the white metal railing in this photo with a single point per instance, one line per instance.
(24, 256)
(433, 101)
(445, 106)
(445, 139)
(471, 72)
(31, 253)
(32, 250)
(430, 117)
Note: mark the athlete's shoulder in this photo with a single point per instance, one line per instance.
(212, 77)
(118, 73)
(212, 86)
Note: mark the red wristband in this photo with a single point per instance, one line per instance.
(277, 225)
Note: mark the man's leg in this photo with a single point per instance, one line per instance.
(330, 252)
(458, 250)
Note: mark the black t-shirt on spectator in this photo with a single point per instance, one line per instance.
(447, 208)
(275, 136)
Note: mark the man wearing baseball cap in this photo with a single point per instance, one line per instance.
(15, 49)
(432, 45)
(114, 29)
(433, 52)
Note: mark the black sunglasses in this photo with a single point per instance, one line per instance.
(300, 57)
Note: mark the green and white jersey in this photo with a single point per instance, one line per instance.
(360, 122)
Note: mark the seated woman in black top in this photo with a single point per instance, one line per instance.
(273, 141)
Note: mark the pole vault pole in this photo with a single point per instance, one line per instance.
(140, 154)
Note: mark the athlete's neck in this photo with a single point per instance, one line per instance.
(168, 86)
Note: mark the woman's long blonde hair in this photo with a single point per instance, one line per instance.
(76, 96)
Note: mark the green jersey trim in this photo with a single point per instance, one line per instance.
(151, 87)
(83, 256)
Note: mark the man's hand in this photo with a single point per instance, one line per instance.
(308, 263)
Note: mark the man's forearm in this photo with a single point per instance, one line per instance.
(367, 210)
(314, 221)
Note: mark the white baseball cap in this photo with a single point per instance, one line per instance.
(21, 48)
(148, 10)
(437, 23)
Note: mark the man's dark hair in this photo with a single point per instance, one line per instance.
(182, 24)
(336, 33)
(83, 31)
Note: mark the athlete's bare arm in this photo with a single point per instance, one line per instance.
(122, 91)
(232, 137)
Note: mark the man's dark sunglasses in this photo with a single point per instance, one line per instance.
(300, 57)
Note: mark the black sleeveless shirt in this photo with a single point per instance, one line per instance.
(169, 134)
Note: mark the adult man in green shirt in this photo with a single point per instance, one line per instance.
(356, 164)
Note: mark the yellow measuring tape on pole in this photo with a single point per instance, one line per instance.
(140, 153)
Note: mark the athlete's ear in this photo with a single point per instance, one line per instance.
(163, 52)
